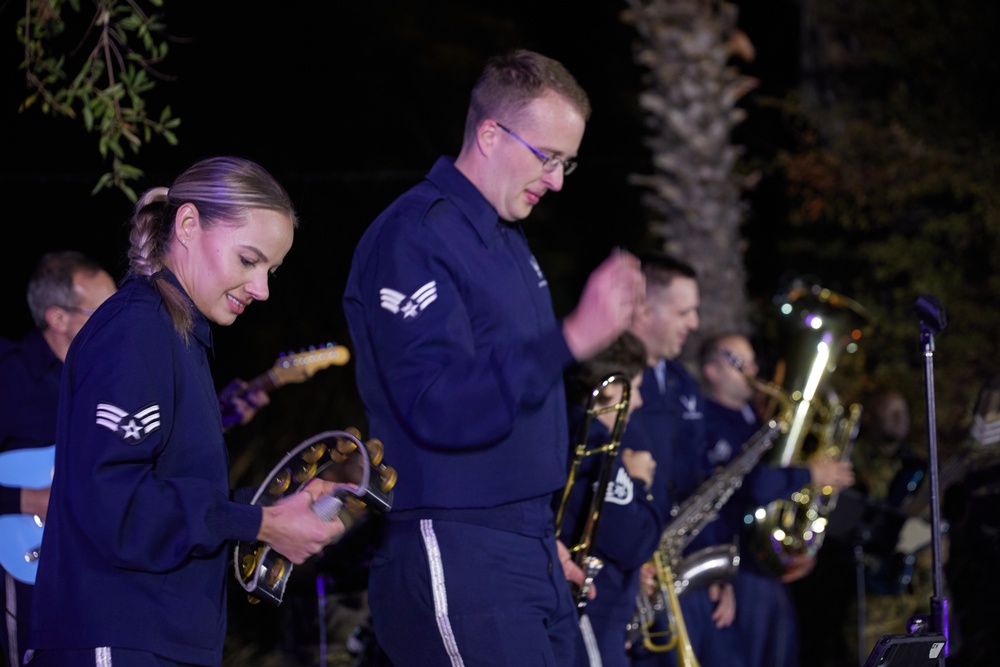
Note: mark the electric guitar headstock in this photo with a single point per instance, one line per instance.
(300, 366)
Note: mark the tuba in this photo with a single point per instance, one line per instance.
(819, 325)
(582, 548)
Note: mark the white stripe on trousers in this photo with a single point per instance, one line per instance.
(590, 642)
(440, 592)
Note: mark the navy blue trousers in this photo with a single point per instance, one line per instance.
(454, 593)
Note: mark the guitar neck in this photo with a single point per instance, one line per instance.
(263, 382)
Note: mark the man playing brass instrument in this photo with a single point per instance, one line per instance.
(671, 426)
(765, 618)
(629, 523)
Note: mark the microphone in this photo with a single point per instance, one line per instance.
(931, 314)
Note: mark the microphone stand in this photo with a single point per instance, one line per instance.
(932, 322)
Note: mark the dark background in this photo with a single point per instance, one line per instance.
(347, 104)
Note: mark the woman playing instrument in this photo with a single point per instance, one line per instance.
(628, 524)
(140, 518)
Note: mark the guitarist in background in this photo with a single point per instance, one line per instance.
(64, 290)
(239, 402)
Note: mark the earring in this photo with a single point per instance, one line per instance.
(184, 242)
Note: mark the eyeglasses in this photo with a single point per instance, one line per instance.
(76, 309)
(733, 360)
(549, 162)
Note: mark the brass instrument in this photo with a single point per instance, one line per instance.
(679, 640)
(675, 573)
(691, 517)
(820, 325)
(582, 548)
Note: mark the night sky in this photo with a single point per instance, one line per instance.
(347, 104)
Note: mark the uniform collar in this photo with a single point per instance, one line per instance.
(200, 329)
(466, 197)
(660, 372)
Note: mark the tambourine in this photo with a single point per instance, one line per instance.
(338, 456)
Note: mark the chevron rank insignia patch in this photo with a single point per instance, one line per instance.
(408, 306)
(132, 427)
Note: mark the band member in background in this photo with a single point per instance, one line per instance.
(628, 525)
(890, 470)
(460, 361)
(136, 552)
(63, 292)
(855, 563)
(239, 403)
(671, 426)
(766, 618)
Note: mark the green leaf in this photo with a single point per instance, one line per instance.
(102, 183)
(110, 92)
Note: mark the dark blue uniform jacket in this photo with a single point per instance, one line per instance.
(459, 355)
(137, 547)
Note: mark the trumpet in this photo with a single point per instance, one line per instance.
(582, 549)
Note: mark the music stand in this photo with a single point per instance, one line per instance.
(926, 643)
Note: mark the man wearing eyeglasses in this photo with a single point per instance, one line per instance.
(459, 364)
(63, 292)
(766, 620)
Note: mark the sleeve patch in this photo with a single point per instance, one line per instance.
(131, 427)
(409, 306)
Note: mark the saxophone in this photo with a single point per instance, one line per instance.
(675, 573)
(690, 518)
(821, 325)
